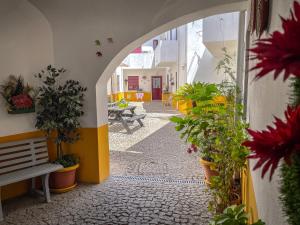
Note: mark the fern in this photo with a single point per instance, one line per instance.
(295, 94)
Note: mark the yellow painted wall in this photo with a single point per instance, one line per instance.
(184, 106)
(92, 149)
(103, 152)
(248, 195)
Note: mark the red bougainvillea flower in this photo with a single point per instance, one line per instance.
(273, 144)
(280, 52)
(22, 101)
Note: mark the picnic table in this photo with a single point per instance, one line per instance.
(125, 116)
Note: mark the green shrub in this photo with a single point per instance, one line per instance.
(59, 109)
(233, 215)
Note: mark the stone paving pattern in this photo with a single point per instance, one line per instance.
(122, 200)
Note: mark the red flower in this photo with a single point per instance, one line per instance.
(273, 144)
(22, 101)
(280, 52)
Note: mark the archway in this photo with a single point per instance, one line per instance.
(101, 86)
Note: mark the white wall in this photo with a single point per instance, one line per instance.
(221, 27)
(75, 25)
(25, 48)
(182, 55)
(201, 63)
(267, 98)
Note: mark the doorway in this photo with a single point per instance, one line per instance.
(156, 87)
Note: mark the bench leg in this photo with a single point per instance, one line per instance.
(32, 189)
(45, 182)
(1, 212)
(126, 126)
(140, 122)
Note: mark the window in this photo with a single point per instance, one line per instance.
(133, 83)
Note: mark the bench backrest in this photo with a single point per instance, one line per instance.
(19, 155)
(112, 104)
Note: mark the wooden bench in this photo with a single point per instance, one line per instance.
(26, 159)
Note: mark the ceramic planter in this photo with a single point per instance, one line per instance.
(208, 170)
(63, 180)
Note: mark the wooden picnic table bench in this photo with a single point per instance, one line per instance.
(117, 114)
(26, 159)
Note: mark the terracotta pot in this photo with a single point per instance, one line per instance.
(235, 199)
(63, 180)
(208, 171)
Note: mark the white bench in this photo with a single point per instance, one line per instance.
(26, 159)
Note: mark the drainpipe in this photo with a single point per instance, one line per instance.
(241, 57)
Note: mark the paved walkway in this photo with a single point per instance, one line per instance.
(154, 181)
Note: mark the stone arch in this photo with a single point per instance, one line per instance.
(101, 85)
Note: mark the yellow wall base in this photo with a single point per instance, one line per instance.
(103, 152)
(131, 96)
(184, 106)
(248, 195)
(92, 149)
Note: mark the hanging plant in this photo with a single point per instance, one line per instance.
(273, 144)
(281, 51)
(20, 98)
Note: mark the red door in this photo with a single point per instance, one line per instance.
(156, 87)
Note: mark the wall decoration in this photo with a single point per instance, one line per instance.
(110, 40)
(98, 44)
(20, 98)
(259, 16)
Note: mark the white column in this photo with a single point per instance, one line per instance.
(241, 53)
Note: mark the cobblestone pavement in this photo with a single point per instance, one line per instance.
(117, 201)
(153, 150)
(154, 181)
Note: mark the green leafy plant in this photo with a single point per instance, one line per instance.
(233, 215)
(196, 92)
(59, 110)
(197, 126)
(122, 103)
(230, 156)
(290, 174)
(225, 65)
(216, 128)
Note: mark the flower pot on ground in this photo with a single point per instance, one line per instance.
(64, 179)
(209, 171)
(59, 109)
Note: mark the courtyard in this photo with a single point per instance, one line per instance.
(153, 181)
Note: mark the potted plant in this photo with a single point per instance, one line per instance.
(59, 109)
(20, 98)
(214, 126)
(233, 215)
(230, 156)
(197, 126)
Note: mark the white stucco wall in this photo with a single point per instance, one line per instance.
(267, 98)
(201, 63)
(76, 24)
(221, 27)
(25, 48)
